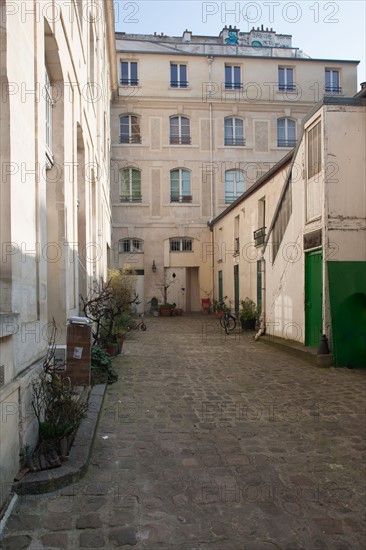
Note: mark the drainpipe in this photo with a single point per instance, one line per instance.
(210, 60)
(262, 325)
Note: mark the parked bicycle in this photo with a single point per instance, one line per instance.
(138, 326)
(227, 321)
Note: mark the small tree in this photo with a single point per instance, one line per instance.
(107, 301)
(164, 285)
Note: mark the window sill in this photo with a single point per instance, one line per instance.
(180, 204)
(179, 88)
(130, 204)
(8, 324)
(179, 146)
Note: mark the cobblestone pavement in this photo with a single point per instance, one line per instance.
(210, 441)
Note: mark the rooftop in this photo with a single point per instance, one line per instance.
(258, 42)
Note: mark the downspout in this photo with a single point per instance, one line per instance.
(262, 318)
(210, 60)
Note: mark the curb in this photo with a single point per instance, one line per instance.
(307, 354)
(75, 467)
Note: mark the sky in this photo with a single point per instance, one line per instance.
(323, 30)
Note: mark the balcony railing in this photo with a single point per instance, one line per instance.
(134, 138)
(179, 84)
(333, 89)
(233, 85)
(287, 87)
(181, 198)
(259, 236)
(236, 245)
(129, 82)
(231, 197)
(136, 197)
(286, 142)
(180, 140)
(234, 141)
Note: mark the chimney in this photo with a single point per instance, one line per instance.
(187, 36)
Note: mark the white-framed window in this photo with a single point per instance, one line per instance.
(126, 246)
(286, 79)
(332, 81)
(180, 185)
(314, 151)
(180, 130)
(49, 106)
(129, 129)
(234, 131)
(181, 244)
(129, 73)
(286, 132)
(233, 77)
(178, 75)
(130, 185)
(234, 185)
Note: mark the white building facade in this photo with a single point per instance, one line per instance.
(304, 264)
(57, 72)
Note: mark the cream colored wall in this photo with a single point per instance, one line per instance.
(259, 77)
(284, 277)
(345, 149)
(249, 222)
(40, 276)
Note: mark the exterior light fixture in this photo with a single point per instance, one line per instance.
(153, 267)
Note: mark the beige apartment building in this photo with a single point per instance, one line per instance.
(57, 70)
(196, 121)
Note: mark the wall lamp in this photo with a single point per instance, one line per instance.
(153, 267)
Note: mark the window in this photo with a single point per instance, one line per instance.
(129, 129)
(234, 185)
(232, 77)
(332, 81)
(178, 76)
(286, 79)
(130, 185)
(234, 131)
(180, 186)
(49, 103)
(126, 246)
(129, 73)
(180, 130)
(181, 245)
(236, 236)
(286, 132)
(260, 234)
(314, 151)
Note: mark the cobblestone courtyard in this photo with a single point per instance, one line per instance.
(210, 441)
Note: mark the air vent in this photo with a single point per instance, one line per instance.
(2, 375)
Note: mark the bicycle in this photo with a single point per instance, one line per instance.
(227, 321)
(138, 326)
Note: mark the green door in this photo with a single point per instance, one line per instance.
(313, 298)
(236, 287)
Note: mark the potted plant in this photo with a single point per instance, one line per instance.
(120, 326)
(154, 306)
(218, 309)
(248, 314)
(166, 310)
